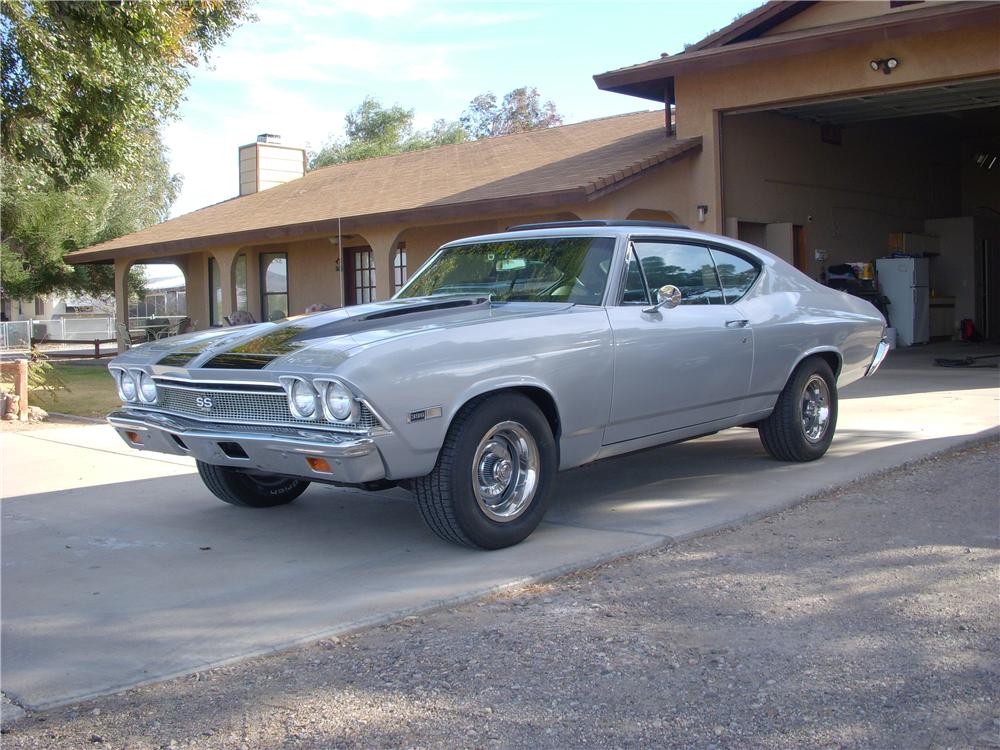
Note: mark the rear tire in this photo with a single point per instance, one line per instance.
(250, 490)
(490, 487)
(804, 419)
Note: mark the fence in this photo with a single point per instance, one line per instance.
(17, 334)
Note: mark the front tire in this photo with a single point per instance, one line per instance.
(491, 485)
(804, 419)
(250, 490)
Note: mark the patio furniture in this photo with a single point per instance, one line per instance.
(130, 338)
(157, 328)
(240, 318)
(184, 325)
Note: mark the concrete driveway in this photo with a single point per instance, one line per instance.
(119, 568)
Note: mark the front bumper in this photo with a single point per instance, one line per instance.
(350, 459)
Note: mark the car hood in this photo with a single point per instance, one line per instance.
(329, 337)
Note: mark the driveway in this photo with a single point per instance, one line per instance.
(119, 568)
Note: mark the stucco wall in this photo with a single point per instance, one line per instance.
(196, 288)
(839, 11)
(928, 58)
(312, 273)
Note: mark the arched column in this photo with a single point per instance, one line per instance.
(653, 214)
(122, 267)
(224, 257)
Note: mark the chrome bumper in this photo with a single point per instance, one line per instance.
(350, 459)
(880, 354)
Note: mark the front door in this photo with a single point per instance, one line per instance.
(679, 367)
(359, 275)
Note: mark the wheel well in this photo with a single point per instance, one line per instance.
(546, 404)
(832, 359)
(539, 396)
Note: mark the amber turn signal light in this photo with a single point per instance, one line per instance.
(319, 464)
(134, 437)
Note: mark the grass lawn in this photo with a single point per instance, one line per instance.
(91, 393)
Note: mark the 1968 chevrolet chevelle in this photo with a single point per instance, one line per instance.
(505, 359)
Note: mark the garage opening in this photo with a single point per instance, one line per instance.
(911, 173)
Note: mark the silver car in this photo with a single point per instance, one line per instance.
(505, 359)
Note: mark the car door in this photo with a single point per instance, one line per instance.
(675, 367)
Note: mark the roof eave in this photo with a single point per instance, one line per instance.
(753, 24)
(642, 79)
(428, 213)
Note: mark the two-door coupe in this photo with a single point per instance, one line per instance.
(503, 360)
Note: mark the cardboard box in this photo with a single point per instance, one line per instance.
(911, 242)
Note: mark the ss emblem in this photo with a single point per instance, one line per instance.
(203, 402)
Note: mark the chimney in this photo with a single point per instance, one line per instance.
(266, 163)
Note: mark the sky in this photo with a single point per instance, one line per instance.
(305, 63)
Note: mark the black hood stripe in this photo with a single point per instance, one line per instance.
(257, 351)
(374, 321)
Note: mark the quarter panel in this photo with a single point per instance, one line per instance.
(793, 316)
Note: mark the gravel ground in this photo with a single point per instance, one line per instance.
(864, 618)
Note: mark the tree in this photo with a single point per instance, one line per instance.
(374, 130)
(42, 221)
(85, 88)
(521, 110)
(83, 81)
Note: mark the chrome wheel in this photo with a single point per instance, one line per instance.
(815, 409)
(505, 471)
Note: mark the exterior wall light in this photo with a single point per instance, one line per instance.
(702, 212)
(886, 66)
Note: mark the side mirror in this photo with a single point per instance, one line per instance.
(667, 296)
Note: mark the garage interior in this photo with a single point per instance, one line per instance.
(911, 172)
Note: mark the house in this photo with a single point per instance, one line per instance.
(351, 233)
(835, 132)
(828, 132)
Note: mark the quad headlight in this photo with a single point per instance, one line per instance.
(135, 385)
(320, 399)
(147, 388)
(302, 398)
(127, 387)
(337, 402)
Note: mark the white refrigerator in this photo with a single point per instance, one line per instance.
(906, 282)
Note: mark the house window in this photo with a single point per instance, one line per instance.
(274, 286)
(240, 280)
(214, 293)
(39, 306)
(399, 268)
(359, 281)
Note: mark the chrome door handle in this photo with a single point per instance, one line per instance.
(737, 323)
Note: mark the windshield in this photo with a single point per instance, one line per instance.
(558, 269)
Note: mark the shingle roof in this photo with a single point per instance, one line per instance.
(536, 169)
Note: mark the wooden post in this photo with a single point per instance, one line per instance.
(21, 388)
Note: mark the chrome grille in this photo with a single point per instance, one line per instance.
(245, 406)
